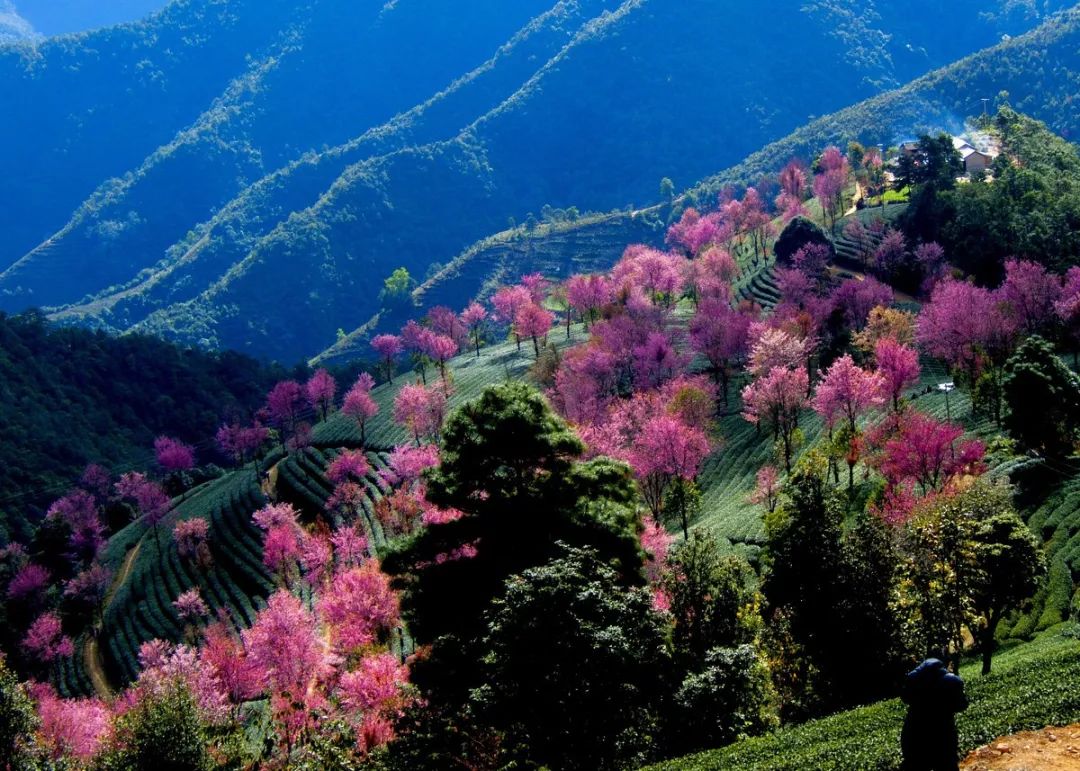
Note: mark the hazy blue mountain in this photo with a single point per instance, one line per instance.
(13, 27)
(57, 17)
(272, 162)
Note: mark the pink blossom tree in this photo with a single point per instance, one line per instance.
(191, 537)
(767, 488)
(507, 302)
(358, 607)
(892, 254)
(655, 542)
(45, 640)
(173, 455)
(422, 410)
(320, 390)
(440, 349)
(284, 403)
(855, 299)
(475, 317)
(238, 676)
(388, 347)
(846, 392)
(1067, 308)
(898, 365)
(360, 405)
(241, 443)
(535, 322)
(79, 510)
(87, 590)
(1029, 293)
(71, 729)
(775, 400)
(281, 550)
(28, 586)
(721, 335)
(667, 452)
(349, 465)
(587, 295)
(928, 452)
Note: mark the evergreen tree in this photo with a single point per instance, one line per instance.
(1043, 397)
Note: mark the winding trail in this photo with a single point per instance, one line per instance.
(95, 665)
(269, 483)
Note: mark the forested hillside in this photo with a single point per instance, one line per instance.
(242, 169)
(1036, 72)
(70, 396)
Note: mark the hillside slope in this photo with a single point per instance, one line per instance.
(289, 171)
(1038, 71)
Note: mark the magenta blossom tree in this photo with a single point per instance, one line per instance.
(667, 452)
(722, 336)
(320, 390)
(360, 405)
(535, 322)
(1030, 294)
(173, 455)
(284, 404)
(898, 365)
(775, 400)
(388, 347)
(475, 317)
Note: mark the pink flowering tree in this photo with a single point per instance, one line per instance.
(767, 488)
(440, 349)
(892, 255)
(1067, 308)
(721, 335)
(898, 365)
(533, 321)
(70, 729)
(285, 404)
(846, 392)
(320, 390)
(191, 610)
(360, 405)
(508, 302)
(151, 502)
(928, 452)
(421, 410)
(78, 509)
(241, 443)
(668, 453)
(173, 455)
(855, 299)
(45, 640)
(359, 607)
(28, 586)
(587, 295)
(1029, 294)
(475, 318)
(85, 593)
(222, 652)
(191, 536)
(292, 659)
(775, 401)
(388, 348)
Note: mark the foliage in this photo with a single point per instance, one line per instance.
(574, 666)
(163, 732)
(1043, 397)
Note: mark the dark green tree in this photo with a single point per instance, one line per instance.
(576, 667)
(934, 162)
(162, 733)
(514, 469)
(17, 723)
(798, 233)
(1043, 397)
(714, 598)
(1010, 566)
(730, 698)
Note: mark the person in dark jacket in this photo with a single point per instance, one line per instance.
(934, 695)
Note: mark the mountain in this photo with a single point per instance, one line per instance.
(58, 17)
(272, 162)
(1036, 71)
(13, 27)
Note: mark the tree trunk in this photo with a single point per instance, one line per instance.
(986, 643)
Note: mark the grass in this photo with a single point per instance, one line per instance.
(1032, 686)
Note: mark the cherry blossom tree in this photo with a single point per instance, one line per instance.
(775, 400)
(190, 606)
(360, 405)
(475, 317)
(721, 335)
(443, 321)
(29, 585)
(241, 442)
(150, 500)
(71, 729)
(191, 537)
(284, 403)
(767, 488)
(655, 542)
(928, 452)
(422, 410)
(1067, 308)
(440, 349)
(388, 347)
(588, 294)
(507, 302)
(45, 639)
(667, 452)
(656, 361)
(855, 299)
(222, 652)
(773, 348)
(350, 464)
(320, 390)
(292, 659)
(898, 365)
(846, 392)
(1030, 294)
(892, 254)
(829, 190)
(281, 550)
(535, 322)
(173, 455)
(87, 590)
(275, 515)
(79, 510)
(358, 607)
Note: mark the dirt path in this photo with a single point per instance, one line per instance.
(95, 666)
(269, 483)
(1051, 749)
